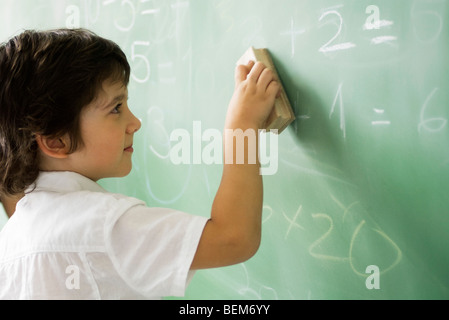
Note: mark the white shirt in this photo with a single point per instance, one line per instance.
(70, 239)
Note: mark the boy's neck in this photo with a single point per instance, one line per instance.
(10, 202)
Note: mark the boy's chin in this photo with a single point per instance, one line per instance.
(124, 173)
(120, 174)
(128, 171)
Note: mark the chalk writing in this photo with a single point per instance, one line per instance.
(264, 292)
(425, 20)
(266, 217)
(140, 59)
(327, 47)
(434, 124)
(131, 8)
(326, 237)
(293, 32)
(166, 68)
(293, 222)
(347, 209)
(156, 118)
(383, 236)
(383, 39)
(380, 122)
(339, 98)
(373, 22)
(312, 248)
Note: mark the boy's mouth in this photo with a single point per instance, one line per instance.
(129, 149)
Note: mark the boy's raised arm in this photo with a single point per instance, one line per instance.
(232, 235)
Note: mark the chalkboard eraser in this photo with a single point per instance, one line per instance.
(282, 114)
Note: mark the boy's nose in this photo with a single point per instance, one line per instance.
(134, 124)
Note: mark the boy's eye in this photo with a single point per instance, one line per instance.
(116, 109)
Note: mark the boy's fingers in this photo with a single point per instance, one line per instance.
(274, 88)
(242, 71)
(266, 78)
(240, 74)
(256, 71)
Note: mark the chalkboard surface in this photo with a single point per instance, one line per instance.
(358, 207)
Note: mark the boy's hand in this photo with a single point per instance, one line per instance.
(256, 89)
(233, 233)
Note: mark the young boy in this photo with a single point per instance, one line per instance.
(65, 124)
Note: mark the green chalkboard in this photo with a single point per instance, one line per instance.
(358, 207)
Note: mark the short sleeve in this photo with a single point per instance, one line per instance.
(152, 249)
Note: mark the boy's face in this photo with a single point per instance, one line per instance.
(107, 130)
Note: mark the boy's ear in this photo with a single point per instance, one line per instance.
(53, 147)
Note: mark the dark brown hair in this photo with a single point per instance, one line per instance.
(46, 79)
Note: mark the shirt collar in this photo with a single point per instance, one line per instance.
(63, 181)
